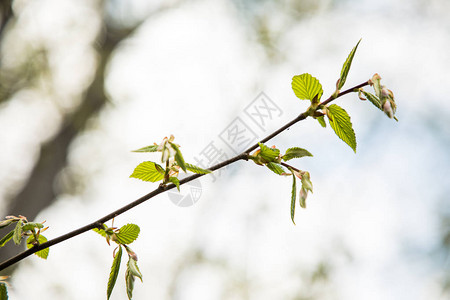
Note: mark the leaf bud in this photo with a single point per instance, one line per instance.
(131, 253)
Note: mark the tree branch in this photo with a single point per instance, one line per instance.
(164, 188)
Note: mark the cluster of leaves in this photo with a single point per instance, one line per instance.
(383, 98)
(122, 236)
(173, 160)
(307, 87)
(24, 229)
(276, 162)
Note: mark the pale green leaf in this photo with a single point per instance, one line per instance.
(148, 171)
(134, 269)
(197, 170)
(293, 196)
(130, 274)
(267, 153)
(276, 168)
(114, 272)
(152, 148)
(6, 222)
(302, 197)
(179, 157)
(346, 67)
(128, 234)
(340, 122)
(42, 239)
(175, 181)
(3, 291)
(321, 121)
(6, 238)
(129, 281)
(295, 152)
(31, 226)
(373, 99)
(306, 182)
(307, 87)
(18, 233)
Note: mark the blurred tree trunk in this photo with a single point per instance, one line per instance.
(38, 191)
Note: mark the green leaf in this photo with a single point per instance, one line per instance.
(307, 87)
(179, 157)
(293, 196)
(18, 233)
(148, 171)
(130, 274)
(42, 239)
(129, 281)
(276, 168)
(175, 181)
(3, 291)
(6, 222)
(100, 231)
(373, 99)
(128, 234)
(295, 152)
(31, 226)
(302, 197)
(268, 154)
(306, 182)
(340, 122)
(346, 67)
(321, 121)
(134, 269)
(197, 170)
(114, 272)
(151, 148)
(6, 238)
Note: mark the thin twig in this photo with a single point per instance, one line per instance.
(163, 188)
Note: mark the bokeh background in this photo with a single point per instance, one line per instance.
(82, 83)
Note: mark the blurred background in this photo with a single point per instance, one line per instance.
(82, 83)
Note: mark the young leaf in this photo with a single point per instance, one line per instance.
(175, 181)
(179, 157)
(373, 99)
(100, 231)
(321, 121)
(114, 272)
(293, 197)
(346, 67)
(132, 271)
(307, 87)
(128, 234)
(42, 239)
(148, 171)
(31, 226)
(6, 222)
(276, 168)
(3, 291)
(340, 122)
(129, 281)
(6, 238)
(197, 170)
(268, 154)
(152, 148)
(18, 233)
(302, 197)
(306, 182)
(295, 152)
